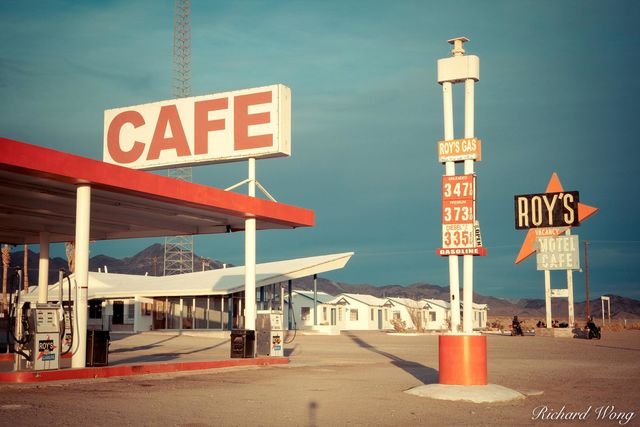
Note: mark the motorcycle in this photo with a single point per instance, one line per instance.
(516, 329)
(593, 331)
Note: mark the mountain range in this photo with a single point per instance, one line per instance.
(150, 261)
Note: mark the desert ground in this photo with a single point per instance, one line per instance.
(356, 378)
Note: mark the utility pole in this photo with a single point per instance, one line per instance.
(26, 268)
(178, 250)
(586, 276)
(154, 261)
(6, 259)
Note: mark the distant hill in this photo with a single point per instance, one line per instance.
(150, 261)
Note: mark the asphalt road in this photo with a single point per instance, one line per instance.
(356, 378)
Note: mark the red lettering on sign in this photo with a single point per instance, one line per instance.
(113, 137)
(203, 125)
(242, 120)
(177, 141)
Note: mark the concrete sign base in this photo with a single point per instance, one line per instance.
(489, 393)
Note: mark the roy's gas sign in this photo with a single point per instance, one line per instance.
(215, 128)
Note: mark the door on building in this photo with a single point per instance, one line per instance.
(379, 319)
(118, 313)
(333, 317)
(159, 321)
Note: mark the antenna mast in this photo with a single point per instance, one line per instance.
(178, 250)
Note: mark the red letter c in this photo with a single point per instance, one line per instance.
(113, 137)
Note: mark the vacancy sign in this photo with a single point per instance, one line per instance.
(458, 216)
(558, 253)
(457, 150)
(222, 127)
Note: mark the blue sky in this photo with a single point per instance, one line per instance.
(557, 93)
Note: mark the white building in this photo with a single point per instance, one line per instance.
(362, 312)
(409, 311)
(302, 313)
(437, 314)
(480, 313)
(208, 300)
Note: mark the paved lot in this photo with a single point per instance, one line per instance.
(353, 379)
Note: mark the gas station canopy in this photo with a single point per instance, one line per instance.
(38, 194)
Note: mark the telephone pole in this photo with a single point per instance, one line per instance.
(586, 276)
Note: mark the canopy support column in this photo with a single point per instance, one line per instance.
(83, 220)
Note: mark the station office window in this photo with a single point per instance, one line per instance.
(305, 313)
(95, 309)
(145, 308)
(353, 314)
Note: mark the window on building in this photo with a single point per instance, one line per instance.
(432, 316)
(372, 314)
(324, 314)
(305, 313)
(353, 314)
(131, 310)
(95, 309)
(145, 309)
(396, 315)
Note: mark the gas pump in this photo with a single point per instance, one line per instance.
(40, 333)
(269, 333)
(19, 329)
(66, 329)
(45, 342)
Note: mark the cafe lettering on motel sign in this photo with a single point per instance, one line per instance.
(223, 127)
(558, 253)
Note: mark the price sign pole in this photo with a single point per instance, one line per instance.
(463, 356)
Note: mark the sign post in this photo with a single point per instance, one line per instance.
(549, 218)
(463, 358)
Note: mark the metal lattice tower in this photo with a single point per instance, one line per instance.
(178, 250)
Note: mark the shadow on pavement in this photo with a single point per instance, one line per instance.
(143, 347)
(162, 357)
(423, 373)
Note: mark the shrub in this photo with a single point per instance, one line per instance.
(613, 327)
(399, 325)
(634, 325)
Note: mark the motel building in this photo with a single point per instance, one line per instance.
(348, 312)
